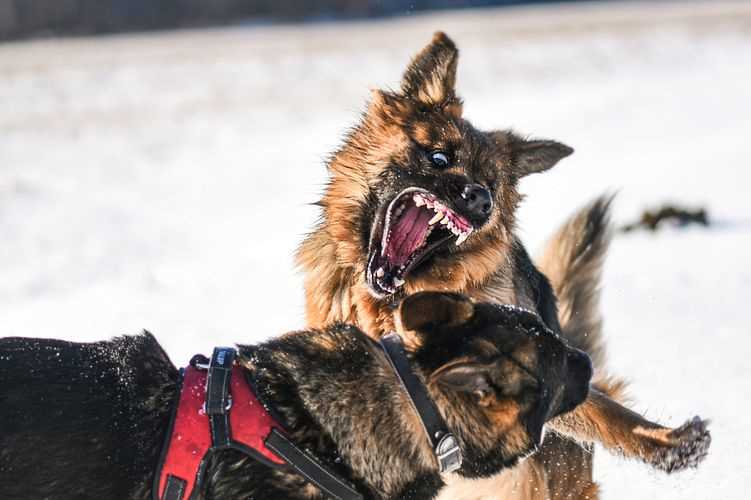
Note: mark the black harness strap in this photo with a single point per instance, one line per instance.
(444, 444)
(218, 400)
(175, 488)
(309, 468)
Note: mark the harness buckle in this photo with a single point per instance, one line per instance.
(449, 454)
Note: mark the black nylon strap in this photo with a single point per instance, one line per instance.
(308, 467)
(175, 488)
(218, 400)
(443, 442)
(217, 385)
(220, 431)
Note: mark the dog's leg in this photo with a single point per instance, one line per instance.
(568, 468)
(603, 420)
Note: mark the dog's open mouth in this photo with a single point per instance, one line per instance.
(415, 225)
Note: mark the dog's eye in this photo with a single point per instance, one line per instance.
(439, 159)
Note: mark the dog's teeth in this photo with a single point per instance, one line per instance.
(445, 220)
(461, 238)
(418, 200)
(428, 203)
(380, 272)
(438, 216)
(398, 282)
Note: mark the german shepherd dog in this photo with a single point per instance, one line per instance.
(87, 421)
(419, 199)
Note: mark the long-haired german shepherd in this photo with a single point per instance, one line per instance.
(419, 199)
(87, 421)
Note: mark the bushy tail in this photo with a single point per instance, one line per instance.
(572, 261)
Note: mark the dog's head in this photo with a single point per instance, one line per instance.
(419, 198)
(496, 373)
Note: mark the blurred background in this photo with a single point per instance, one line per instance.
(30, 18)
(158, 161)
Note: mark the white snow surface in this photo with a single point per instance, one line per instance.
(163, 181)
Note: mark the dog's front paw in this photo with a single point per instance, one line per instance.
(681, 448)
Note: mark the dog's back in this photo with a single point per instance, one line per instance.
(109, 400)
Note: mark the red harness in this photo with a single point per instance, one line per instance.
(202, 423)
(190, 439)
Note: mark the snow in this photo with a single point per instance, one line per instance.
(163, 181)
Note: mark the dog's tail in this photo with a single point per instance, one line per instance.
(572, 261)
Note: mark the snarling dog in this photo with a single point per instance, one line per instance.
(88, 420)
(419, 199)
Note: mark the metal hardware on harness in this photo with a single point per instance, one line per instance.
(449, 454)
(445, 445)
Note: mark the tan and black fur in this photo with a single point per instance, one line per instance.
(87, 421)
(389, 150)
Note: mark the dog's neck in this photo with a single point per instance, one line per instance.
(337, 395)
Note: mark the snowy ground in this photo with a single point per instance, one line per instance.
(162, 181)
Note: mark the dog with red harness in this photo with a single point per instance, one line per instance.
(463, 389)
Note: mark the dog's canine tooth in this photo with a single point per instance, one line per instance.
(445, 220)
(438, 216)
(398, 282)
(461, 238)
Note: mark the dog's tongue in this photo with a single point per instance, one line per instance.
(407, 235)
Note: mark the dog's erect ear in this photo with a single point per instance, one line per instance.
(427, 310)
(465, 377)
(533, 156)
(431, 76)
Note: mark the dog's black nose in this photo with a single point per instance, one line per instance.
(476, 200)
(581, 368)
(577, 384)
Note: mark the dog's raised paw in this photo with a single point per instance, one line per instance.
(684, 447)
